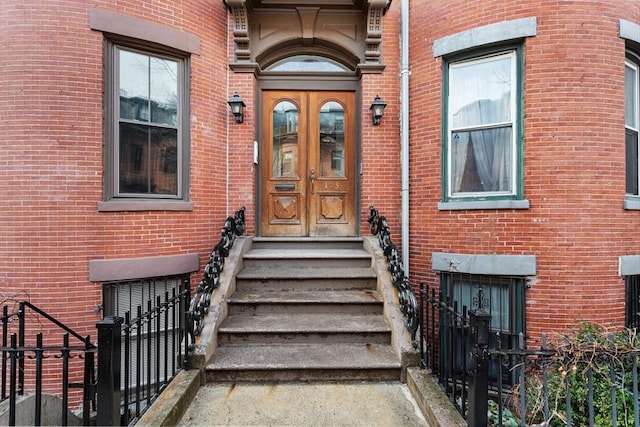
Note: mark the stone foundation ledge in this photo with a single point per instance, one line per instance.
(169, 407)
(433, 402)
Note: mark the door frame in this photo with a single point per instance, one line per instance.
(305, 83)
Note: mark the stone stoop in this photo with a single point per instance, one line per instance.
(305, 309)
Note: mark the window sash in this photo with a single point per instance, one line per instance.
(632, 95)
(492, 166)
(632, 124)
(150, 162)
(632, 160)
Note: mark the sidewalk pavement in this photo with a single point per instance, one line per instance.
(185, 402)
(304, 404)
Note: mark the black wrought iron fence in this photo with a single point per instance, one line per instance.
(26, 359)
(141, 352)
(444, 344)
(588, 377)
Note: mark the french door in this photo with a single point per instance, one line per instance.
(308, 163)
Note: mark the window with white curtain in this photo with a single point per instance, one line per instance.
(502, 297)
(482, 152)
(632, 121)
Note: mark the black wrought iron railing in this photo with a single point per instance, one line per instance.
(148, 342)
(28, 363)
(199, 307)
(586, 377)
(444, 343)
(406, 294)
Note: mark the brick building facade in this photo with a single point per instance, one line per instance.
(554, 235)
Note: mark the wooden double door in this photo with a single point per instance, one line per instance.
(308, 160)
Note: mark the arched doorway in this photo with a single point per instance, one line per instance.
(308, 61)
(309, 148)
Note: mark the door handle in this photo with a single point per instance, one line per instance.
(312, 178)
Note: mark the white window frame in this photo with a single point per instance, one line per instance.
(636, 119)
(513, 124)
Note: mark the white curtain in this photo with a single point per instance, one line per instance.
(491, 148)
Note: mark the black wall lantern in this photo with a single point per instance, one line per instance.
(237, 104)
(377, 110)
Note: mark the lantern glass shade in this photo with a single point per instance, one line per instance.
(377, 110)
(237, 104)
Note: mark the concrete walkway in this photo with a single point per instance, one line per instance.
(302, 404)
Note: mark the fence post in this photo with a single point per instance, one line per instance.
(109, 343)
(480, 322)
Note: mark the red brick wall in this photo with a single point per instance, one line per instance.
(242, 171)
(51, 92)
(381, 174)
(574, 161)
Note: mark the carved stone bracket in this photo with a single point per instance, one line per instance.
(376, 9)
(240, 29)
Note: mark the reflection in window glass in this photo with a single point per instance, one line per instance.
(631, 95)
(148, 155)
(332, 140)
(285, 140)
(632, 123)
(148, 88)
(148, 159)
(307, 63)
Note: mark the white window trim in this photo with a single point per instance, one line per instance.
(632, 201)
(512, 124)
(630, 32)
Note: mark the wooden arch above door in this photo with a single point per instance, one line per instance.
(264, 27)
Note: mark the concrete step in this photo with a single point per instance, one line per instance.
(260, 302)
(319, 258)
(305, 309)
(307, 243)
(304, 328)
(284, 278)
(304, 362)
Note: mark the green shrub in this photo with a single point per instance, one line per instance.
(493, 417)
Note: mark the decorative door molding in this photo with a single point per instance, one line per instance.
(349, 31)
